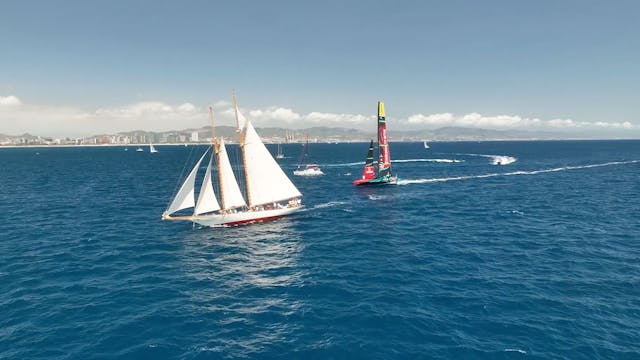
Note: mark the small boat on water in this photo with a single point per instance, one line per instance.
(270, 194)
(152, 149)
(309, 169)
(279, 155)
(384, 176)
(139, 149)
(426, 146)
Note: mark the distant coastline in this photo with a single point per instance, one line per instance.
(281, 135)
(145, 145)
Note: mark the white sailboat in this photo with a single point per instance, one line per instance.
(270, 194)
(279, 155)
(152, 149)
(426, 146)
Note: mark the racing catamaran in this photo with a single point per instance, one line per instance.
(384, 176)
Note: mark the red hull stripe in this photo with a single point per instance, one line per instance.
(236, 223)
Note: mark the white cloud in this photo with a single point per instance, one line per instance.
(277, 114)
(75, 121)
(338, 119)
(187, 107)
(10, 100)
(17, 117)
(433, 119)
(472, 120)
(502, 122)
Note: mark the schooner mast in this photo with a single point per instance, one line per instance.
(216, 151)
(240, 123)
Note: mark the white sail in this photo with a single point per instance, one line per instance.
(266, 182)
(185, 197)
(207, 201)
(230, 194)
(152, 149)
(240, 119)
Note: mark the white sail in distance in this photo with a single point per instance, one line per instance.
(266, 182)
(185, 197)
(241, 121)
(230, 194)
(207, 201)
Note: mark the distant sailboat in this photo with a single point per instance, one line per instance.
(279, 155)
(270, 193)
(426, 146)
(152, 149)
(309, 169)
(384, 159)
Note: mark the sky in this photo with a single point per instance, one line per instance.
(78, 68)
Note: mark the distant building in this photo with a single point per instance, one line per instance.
(194, 136)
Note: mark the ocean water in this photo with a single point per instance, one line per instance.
(487, 250)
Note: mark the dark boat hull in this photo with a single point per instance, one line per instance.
(385, 180)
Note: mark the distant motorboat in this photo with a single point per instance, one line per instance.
(139, 149)
(309, 169)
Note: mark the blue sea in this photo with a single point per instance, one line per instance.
(485, 250)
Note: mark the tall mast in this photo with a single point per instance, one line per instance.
(241, 144)
(384, 159)
(213, 128)
(216, 151)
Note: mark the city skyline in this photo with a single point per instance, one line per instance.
(77, 69)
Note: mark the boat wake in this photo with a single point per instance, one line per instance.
(323, 206)
(360, 163)
(376, 197)
(343, 164)
(515, 350)
(496, 159)
(534, 172)
(428, 160)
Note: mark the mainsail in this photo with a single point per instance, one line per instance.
(384, 161)
(266, 182)
(185, 197)
(230, 194)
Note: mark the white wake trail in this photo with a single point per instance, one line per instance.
(361, 163)
(428, 160)
(534, 172)
(323, 206)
